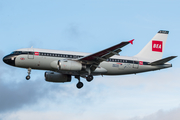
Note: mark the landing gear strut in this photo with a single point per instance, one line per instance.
(79, 85)
(89, 78)
(29, 72)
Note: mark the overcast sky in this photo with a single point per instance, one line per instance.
(89, 26)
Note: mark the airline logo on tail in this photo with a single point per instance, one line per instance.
(157, 46)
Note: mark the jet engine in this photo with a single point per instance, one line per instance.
(67, 65)
(57, 77)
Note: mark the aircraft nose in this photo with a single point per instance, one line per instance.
(10, 60)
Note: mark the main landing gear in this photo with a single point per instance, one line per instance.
(79, 85)
(29, 72)
(89, 78)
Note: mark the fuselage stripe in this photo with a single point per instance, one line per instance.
(78, 56)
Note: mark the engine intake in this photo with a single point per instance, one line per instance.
(57, 77)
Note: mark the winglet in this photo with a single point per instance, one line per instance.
(131, 41)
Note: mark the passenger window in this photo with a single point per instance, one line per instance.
(24, 52)
(31, 53)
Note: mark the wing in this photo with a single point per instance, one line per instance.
(96, 58)
(107, 53)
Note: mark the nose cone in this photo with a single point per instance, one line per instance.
(9, 59)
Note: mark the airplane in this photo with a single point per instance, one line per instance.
(62, 65)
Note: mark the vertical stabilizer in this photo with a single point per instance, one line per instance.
(155, 48)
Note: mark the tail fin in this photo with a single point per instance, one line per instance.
(155, 48)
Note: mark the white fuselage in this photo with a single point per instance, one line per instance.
(117, 65)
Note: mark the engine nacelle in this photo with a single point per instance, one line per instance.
(67, 65)
(57, 77)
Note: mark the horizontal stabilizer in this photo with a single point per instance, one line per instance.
(162, 61)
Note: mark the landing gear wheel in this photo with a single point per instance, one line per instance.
(79, 85)
(29, 72)
(28, 77)
(89, 78)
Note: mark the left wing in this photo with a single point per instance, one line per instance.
(93, 60)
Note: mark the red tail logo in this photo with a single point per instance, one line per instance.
(157, 46)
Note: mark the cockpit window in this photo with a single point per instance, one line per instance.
(19, 52)
(16, 52)
(12, 53)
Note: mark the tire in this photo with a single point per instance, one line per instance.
(89, 78)
(79, 85)
(28, 77)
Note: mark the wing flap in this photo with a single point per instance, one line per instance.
(111, 53)
(162, 61)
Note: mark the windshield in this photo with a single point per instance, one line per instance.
(19, 52)
(16, 52)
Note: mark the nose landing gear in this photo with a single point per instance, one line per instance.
(28, 77)
(29, 72)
